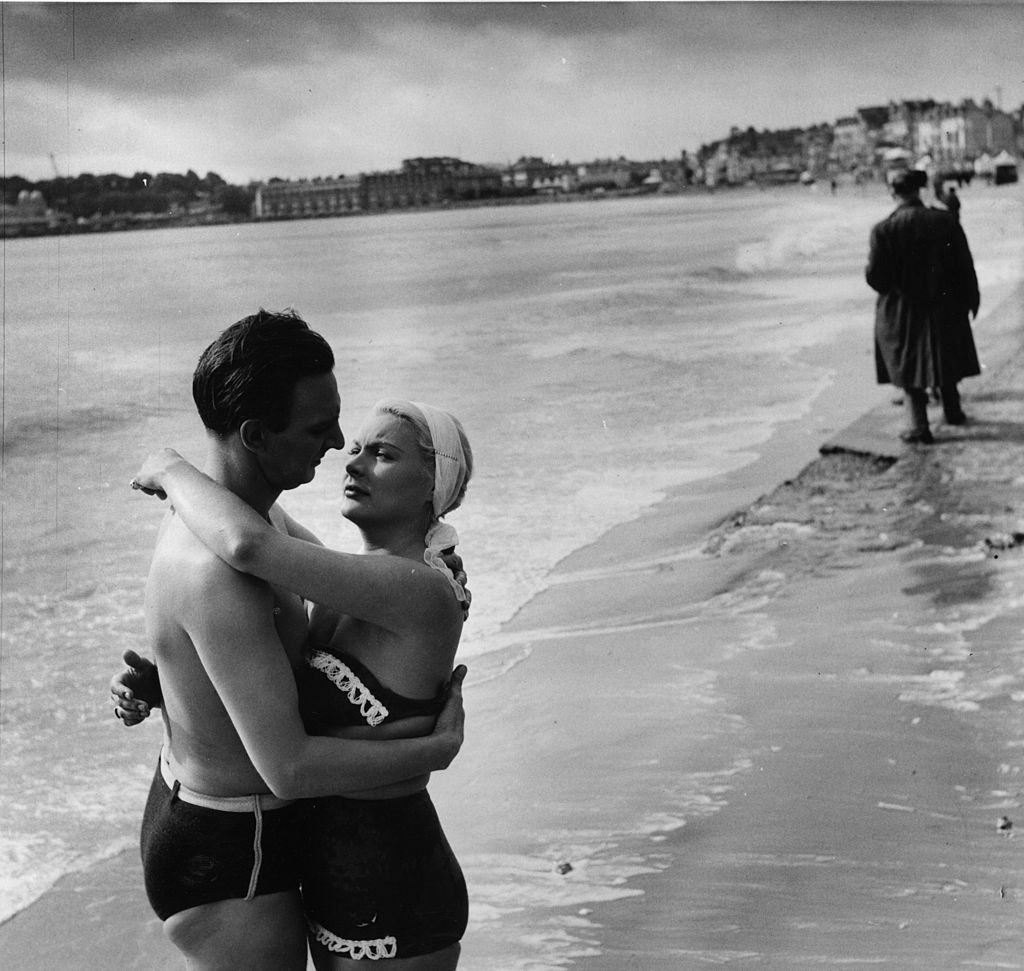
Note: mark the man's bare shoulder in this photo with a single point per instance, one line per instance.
(184, 571)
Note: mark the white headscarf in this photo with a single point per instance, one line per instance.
(449, 477)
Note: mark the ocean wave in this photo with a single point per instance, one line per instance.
(27, 876)
(42, 432)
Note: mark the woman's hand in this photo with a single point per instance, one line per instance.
(135, 691)
(149, 479)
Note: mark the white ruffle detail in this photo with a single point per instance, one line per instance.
(442, 536)
(378, 950)
(346, 680)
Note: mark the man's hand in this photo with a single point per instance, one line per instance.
(450, 727)
(135, 691)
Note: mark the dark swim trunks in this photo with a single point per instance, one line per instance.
(196, 854)
(379, 879)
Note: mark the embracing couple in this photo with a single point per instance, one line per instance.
(298, 742)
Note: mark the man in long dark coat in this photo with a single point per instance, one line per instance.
(921, 267)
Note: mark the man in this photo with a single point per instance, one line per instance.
(219, 828)
(921, 267)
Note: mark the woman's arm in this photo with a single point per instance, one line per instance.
(243, 658)
(292, 526)
(392, 592)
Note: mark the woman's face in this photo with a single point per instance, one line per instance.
(387, 480)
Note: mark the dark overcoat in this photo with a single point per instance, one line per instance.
(921, 267)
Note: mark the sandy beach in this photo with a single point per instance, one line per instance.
(839, 664)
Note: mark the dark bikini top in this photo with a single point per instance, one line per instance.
(336, 691)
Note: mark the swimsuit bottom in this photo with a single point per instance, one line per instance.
(379, 879)
(199, 849)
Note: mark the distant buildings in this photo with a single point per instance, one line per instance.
(939, 136)
(949, 140)
(419, 182)
(442, 181)
(279, 199)
(430, 181)
(30, 216)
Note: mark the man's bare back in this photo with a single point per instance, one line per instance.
(186, 585)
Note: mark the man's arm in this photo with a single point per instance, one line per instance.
(232, 630)
(968, 277)
(879, 269)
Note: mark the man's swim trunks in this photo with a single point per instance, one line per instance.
(379, 879)
(198, 849)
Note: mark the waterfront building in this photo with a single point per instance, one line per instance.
(987, 129)
(531, 175)
(610, 174)
(429, 181)
(850, 144)
(954, 136)
(768, 157)
(559, 180)
(307, 198)
(527, 173)
(30, 216)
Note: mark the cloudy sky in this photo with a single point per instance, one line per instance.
(252, 91)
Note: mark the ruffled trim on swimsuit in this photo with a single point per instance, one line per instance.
(384, 947)
(345, 680)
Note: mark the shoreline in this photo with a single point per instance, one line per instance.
(929, 846)
(825, 551)
(798, 868)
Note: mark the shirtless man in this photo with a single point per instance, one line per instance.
(219, 825)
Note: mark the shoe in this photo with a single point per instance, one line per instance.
(917, 436)
(958, 418)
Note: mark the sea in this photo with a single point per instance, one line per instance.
(600, 354)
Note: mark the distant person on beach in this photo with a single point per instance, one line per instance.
(952, 202)
(223, 835)
(921, 267)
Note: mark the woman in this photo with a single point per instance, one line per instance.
(379, 879)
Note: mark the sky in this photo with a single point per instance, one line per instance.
(299, 90)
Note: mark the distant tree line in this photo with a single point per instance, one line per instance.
(86, 195)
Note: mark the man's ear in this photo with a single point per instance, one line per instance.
(251, 434)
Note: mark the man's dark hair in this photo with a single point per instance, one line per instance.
(251, 369)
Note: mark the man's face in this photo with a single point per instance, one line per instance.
(289, 457)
